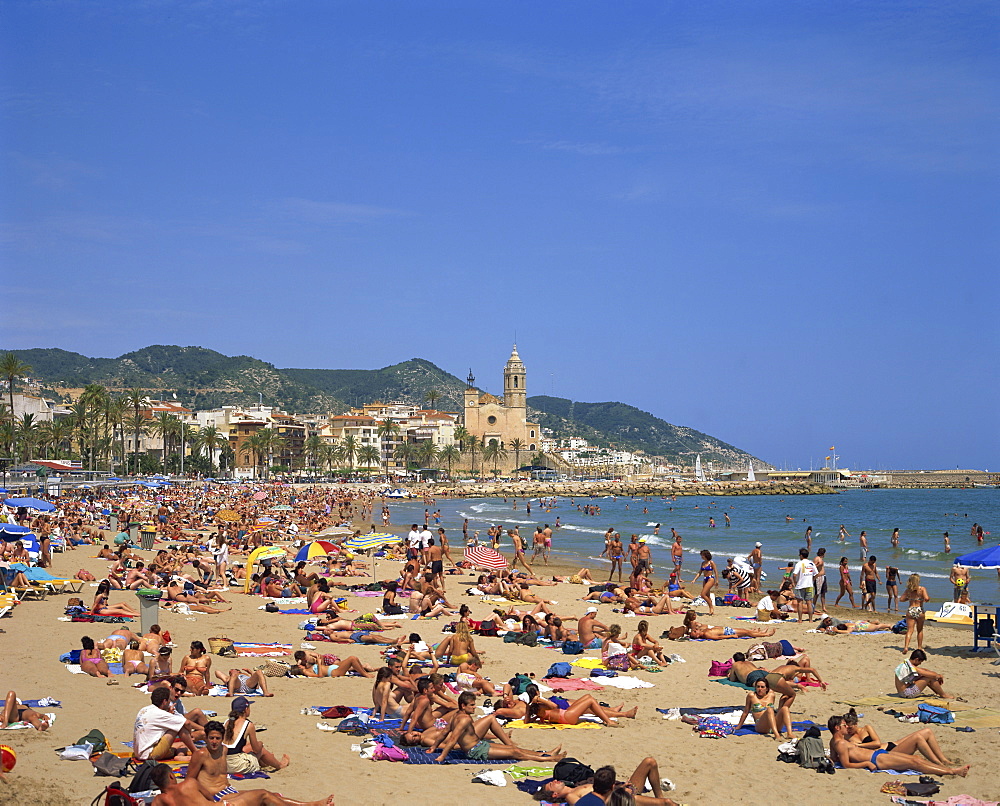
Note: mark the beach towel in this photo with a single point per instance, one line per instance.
(626, 681)
(877, 632)
(419, 755)
(114, 668)
(586, 723)
(521, 771)
(260, 650)
(296, 611)
(219, 690)
(977, 718)
(803, 726)
(877, 700)
(45, 702)
(733, 683)
(585, 684)
(589, 663)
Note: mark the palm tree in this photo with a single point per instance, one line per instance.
(494, 452)
(253, 448)
(517, 446)
(406, 451)
(388, 431)
(432, 397)
(350, 448)
(330, 454)
(165, 426)
(138, 424)
(13, 369)
(449, 455)
(314, 444)
(463, 436)
(26, 430)
(369, 455)
(426, 452)
(117, 409)
(208, 439)
(136, 400)
(474, 445)
(93, 397)
(60, 431)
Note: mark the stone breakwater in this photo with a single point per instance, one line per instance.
(583, 489)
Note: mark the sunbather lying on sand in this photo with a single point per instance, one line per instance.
(721, 633)
(851, 756)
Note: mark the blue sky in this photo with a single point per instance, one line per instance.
(774, 222)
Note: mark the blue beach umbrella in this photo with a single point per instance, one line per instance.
(11, 531)
(30, 503)
(983, 558)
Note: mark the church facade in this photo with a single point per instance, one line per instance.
(506, 419)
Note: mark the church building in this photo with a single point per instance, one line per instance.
(507, 419)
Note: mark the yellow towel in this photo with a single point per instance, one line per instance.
(589, 663)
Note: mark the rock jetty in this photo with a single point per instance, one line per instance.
(583, 489)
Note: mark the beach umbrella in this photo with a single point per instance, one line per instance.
(259, 496)
(11, 531)
(30, 503)
(228, 515)
(988, 557)
(485, 557)
(369, 542)
(281, 508)
(318, 548)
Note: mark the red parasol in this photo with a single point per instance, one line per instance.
(485, 557)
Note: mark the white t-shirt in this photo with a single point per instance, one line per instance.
(803, 573)
(425, 538)
(150, 724)
(767, 603)
(413, 539)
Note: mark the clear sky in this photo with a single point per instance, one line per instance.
(775, 222)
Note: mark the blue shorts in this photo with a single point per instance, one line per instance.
(223, 792)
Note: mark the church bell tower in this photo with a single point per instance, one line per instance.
(514, 393)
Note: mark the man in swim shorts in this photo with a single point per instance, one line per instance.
(190, 792)
(852, 756)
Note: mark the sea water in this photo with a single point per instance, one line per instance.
(778, 522)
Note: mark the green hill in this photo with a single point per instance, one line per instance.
(203, 378)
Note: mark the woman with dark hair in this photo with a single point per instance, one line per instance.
(103, 608)
(195, 667)
(644, 645)
(709, 572)
(768, 717)
(90, 659)
(911, 680)
(920, 741)
(245, 754)
(390, 607)
(310, 664)
(547, 712)
(386, 705)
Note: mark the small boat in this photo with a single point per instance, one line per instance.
(399, 493)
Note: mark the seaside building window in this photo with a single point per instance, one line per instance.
(491, 420)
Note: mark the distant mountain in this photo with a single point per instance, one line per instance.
(203, 378)
(630, 428)
(409, 381)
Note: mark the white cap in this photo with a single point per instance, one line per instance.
(591, 609)
(758, 545)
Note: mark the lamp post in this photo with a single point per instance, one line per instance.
(182, 447)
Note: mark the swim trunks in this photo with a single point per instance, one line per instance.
(728, 631)
(357, 635)
(755, 675)
(869, 586)
(221, 794)
(437, 566)
(875, 756)
(480, 751)
(804, 594)
(595, 643)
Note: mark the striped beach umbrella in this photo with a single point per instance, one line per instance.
(485, 557)
(318, 548)
(371, 541)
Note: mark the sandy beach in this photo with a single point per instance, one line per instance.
(705, 771)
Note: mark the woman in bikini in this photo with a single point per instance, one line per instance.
(768, 717)
(721, 633)
(161, 667)
(244, 751)
(547, 712)
(846, 586)
(103, 608)
(386, 705)
(644, 646)
(196, 667)
(133, 660)
(921, 741)
(462, 647)
(831, 627)
(914, 597)
(320, 599)
(390, 607)
(311, 664)
(90, 659)
(709, 572)
(614, 654)
(14, 711)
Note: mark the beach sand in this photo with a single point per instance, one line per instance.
(705, 771)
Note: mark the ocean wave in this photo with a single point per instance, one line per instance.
(585, 529)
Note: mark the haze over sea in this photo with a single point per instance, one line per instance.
(922, 517)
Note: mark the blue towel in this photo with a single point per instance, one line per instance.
(38, 704)
(803, 726)
(419, 755)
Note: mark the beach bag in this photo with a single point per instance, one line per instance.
(528, 639)
(95, 739)
(519, 683)
(560, 669)
(488, 628)
(934, 714)
(222, 646)
(811, 751)
(511, 637)
(275, 668)
(899, 627)
(114, 795)
(271, 607)
(572, 648)
(603, 673)
(386, 753)
(719, 669)
(142, 781)
(572, 771)
(111, 765)
(353, 726)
